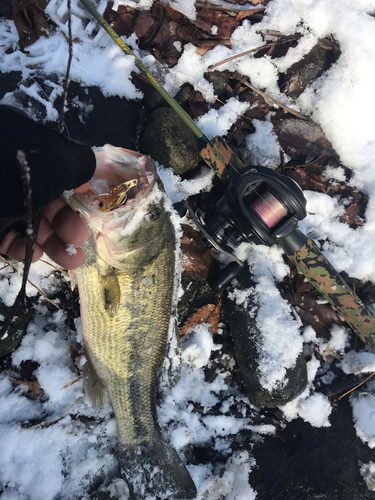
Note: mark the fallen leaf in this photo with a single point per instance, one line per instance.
(198, 105)
(225, 23)
(246, 13)
(30, 20)
(194, 260)
(302, 284)
(144, 26)
(350, 215)
(122, 21)
(206, 314)
(305, 71)
(236, 132)
(320, 316)
(302, 137)
(34, 387)
(306, 180)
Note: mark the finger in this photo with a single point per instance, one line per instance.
(55, 248)
(7, 241)
(45, 231)
(82, 189)
(69, 226)
(13, 245)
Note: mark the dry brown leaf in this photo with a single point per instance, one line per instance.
(306, 180)
(224, 22)
(193, 261)
(30, 20)
(302, 137)
(34, 387)
(206, 314)
(350, 215)
(320, 316)
(246, 13)
(195, 256)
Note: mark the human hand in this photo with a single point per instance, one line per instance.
(59, 226)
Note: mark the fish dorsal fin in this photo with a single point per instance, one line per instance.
(110, 288)
(93, 384)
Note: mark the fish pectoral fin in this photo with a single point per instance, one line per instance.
(111, 292)
(73, 279)
(94, 386)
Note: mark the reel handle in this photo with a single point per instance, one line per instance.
(311, 262)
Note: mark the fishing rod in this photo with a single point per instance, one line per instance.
(259, 206)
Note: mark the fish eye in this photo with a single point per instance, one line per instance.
(153, 215)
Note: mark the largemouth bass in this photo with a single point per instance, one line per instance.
(125, 289)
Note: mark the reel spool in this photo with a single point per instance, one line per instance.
(260, 206)
(264, 207)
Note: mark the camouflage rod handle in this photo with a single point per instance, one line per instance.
(317, 269)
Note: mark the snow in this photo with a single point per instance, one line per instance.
(363, 405)
(47, 453)
(218, 122)
(358, 362)
(368, 473)
(198, 345)
(259, 151)
(71, 249)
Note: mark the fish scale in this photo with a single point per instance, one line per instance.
(126, 288)
(130, 341)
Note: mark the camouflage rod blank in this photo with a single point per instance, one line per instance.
(317, 269)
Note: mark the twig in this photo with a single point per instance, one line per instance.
(71, 383)
(310, 164)
(356, 387)
(55, 419)
(230, 10)
(247, 52)
(31, 283)
(30, 241)
(203, 90)
(257, 49)
(52, 265)
(269, 98)
(60, 127)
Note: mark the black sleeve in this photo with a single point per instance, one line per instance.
(56, 164)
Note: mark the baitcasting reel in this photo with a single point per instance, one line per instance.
(264, 207)
(260, 206)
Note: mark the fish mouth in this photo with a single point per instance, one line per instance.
(121, 178)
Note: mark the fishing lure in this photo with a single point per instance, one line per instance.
(116, 197)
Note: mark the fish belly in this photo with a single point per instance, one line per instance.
(125, 320)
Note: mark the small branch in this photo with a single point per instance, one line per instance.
(30, 241)
(257, 49)
(356, 387)
(30, 282)
(54, 420)
(230, 10)
(60, 126)
(247, 52)
(310, 164)
(269, 98)
(52, 265)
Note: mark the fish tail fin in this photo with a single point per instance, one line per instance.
(154, 468)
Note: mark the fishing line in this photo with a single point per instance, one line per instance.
(269, 209)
